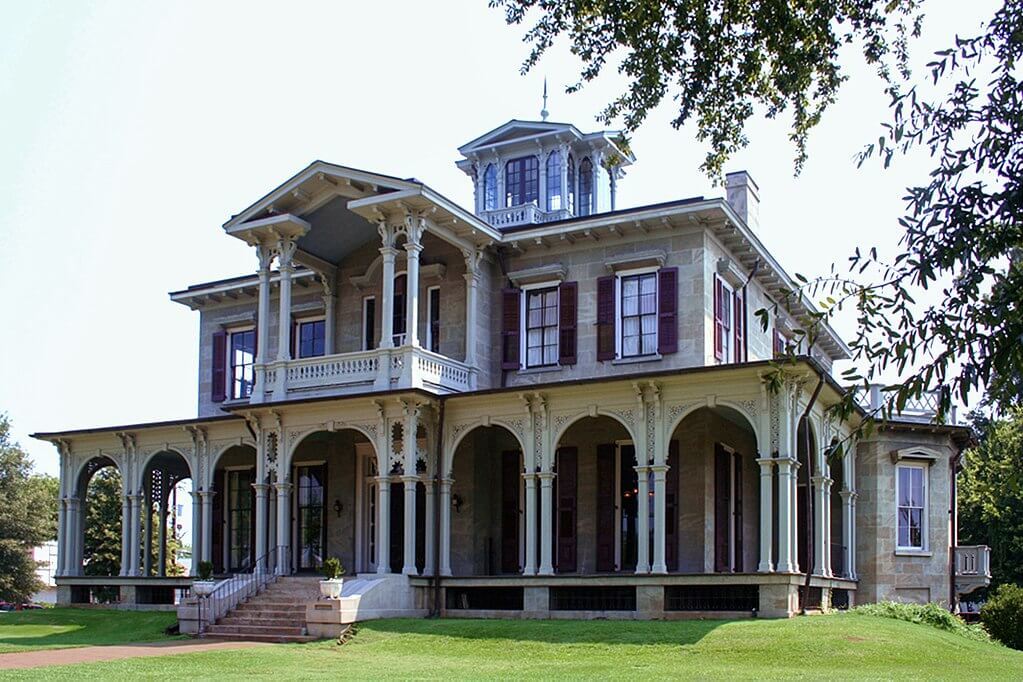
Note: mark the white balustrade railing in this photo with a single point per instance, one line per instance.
(332, 370)
(973, 560)
(523, 214)
(442, 371)
(922, 409)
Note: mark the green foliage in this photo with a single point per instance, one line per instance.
(332, 568)
(205, 570)
(934, 615)
(28, 510)
(991, 494)
(102, 550)
(721, 60)
(1002, 615)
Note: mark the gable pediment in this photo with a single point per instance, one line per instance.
(515, 130)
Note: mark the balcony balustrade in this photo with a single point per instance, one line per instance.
(973, 568)
(524, 214)
(923, 409)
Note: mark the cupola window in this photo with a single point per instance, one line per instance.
(554, 198)
(522, 180)
(490, 188)
(585, 187)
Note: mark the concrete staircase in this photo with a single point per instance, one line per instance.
(277, 614)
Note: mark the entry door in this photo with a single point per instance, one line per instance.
(628, 491)
(312, 519)
(240, 520)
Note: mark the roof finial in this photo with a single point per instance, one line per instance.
(543, 112)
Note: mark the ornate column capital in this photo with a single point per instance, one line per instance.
(207, 495)
(286, 247)
(265, 256)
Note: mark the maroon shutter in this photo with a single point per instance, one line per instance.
(605, 318)
(510, 302)
(737, 324)
(671, 508)
(719, 291)
(217, 522)
(605, 508)
(568, 459)
(722, 503)
(219, 375)
(511, 481)
(667, 310)
(737, 465)
(568, 296)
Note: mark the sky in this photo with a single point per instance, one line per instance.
(131, 131)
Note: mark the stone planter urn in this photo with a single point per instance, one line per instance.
(331, 589)
(330, 586)
(203, 588)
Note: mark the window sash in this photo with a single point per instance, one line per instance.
(522, 180)
(541, 326)
(490, 188)
(638, 314)
(911, 502)
(312, 336)
(554, 200)
(241, 361)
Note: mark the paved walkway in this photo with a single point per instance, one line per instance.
(91, 654)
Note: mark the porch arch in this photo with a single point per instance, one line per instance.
(300, 437)
(448, 455)
(591, 414)
(76, 557)
(161, 473)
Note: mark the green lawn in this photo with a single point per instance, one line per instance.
(65, 627)
(837, 646)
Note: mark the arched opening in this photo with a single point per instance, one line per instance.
(712, 510)
(585, 187)
(167, 515)
(596, 505)
(555, 200)
(232, 519)
(333, 503)
(97, 527)
(487, 498)
(806, 448)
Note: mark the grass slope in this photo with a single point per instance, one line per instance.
(835, 647)
(59, 628)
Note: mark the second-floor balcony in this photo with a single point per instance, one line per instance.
(923, 409)
(973, 568)
(524, 214)
(364, 371)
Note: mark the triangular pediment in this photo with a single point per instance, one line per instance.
(515, 130)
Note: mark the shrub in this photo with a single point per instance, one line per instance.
(205, 570)
(332, 568)
(932, 614)
(1002, 615)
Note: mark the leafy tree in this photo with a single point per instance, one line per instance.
(101, 554)
(27, 518)
(963, 224)
(991, 495)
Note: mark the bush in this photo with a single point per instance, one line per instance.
(1002, 615)
(205, 570)
(933, 614)
(332, 568)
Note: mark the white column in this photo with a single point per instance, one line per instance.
(794, 519)
(819, 545)
(383, 524)
(272, 533)
(851, 552)
(642, 519)
(285, 252)
(430, 536)
(502, 196)
(78, 539)
(847, 532)
(413, 247)
(388, 253)
(541, 194)
(766, 514)
(261, 495)
(329, 304)
(826, 523)
(785, 514)
(546, 516)
(284, 527)
(445, 526)
(265, 254)
(206, 497)
(660, 566)
(197, 526)
(472, 282)
(73, 564)
(136, 535)
(61, 535)
(564, 176)
(161, 536)
(530, 524)
(409, 565)
(147, 534)
(126, 534)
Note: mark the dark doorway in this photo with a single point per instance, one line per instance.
(628, 492)
(312, 526)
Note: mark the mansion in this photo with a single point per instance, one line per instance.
(543, 405)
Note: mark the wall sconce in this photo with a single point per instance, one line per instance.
(338, 507)
(457, 501)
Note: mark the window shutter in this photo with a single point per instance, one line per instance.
(738, 324)
(219, 375)
(722, 508)
(667, 310)
(510, 300)
(605, 508)
(568, 297)
(719, 349)
(605, 318)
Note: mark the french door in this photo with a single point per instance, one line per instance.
(240, 527)
(311, 517)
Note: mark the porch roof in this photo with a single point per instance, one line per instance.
(194, 421)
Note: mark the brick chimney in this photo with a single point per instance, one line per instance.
(743, 196)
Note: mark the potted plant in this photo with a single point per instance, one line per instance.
(332, 570)
(205, 584)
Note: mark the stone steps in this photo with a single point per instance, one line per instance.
(277, 614)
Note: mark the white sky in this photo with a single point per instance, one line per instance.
(130, 131)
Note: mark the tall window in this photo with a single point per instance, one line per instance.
(239, 518)
(311, 338)
(542, 327)
(912, 494)
(570, 190)
(398, 312)
(490, 188)
(585, 187)
(369, 323)
(241, 360)
(521, 181)
(433, 319)
(639, 314)
(554, 199)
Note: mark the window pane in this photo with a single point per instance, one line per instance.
(533, 357)
(630, 286)
(904, 495)
(630, 326)
(903, 528)
(649, 344)
(649, 285)
(649, 324)
(630, 345)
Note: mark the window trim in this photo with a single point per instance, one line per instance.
(728, 331)
(523, 183)
(429, 317)
(620, 326)
(924, 547)
(297, 334)
(524, 290)
(229, 366)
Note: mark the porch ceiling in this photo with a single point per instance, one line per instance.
(336, 232)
